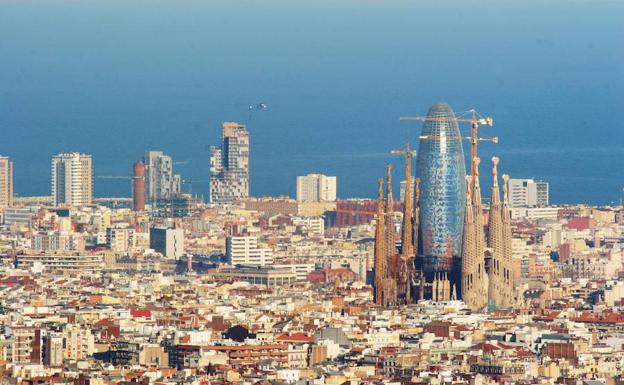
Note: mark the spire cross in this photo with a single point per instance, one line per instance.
(505, 195)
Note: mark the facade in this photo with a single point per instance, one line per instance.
(20, 216)
(229, 165)
(120, 239)
(138, 186)
(245, 251)
(160, 181)
(167, 241)
(72, 179)
(57, 241)
(91, 262)
(527, 193)
(6, 182)
(266, 276)
(442, 173)
(316, 188)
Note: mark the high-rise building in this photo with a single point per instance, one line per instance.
(316, 187)
(168, 241)
(229, 165)
(6, 182)
(160, 182)
(72, 179)
(245, 251)
(138, 187)
(527, 193)
(442, 173)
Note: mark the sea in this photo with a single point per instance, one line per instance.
(115, 78)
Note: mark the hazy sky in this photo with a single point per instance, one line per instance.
(116, 78)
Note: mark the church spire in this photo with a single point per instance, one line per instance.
(380, 248)
(468, 249)
(480, 286)
(407, 242)
(507, 271)
(495, 241)
(416, 216)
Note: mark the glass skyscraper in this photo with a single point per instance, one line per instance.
(443, 192)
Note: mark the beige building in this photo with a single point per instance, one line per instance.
(121, 239)
(72, 179)
(316, 188)
(6, 182)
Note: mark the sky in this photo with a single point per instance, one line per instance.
(117, 78)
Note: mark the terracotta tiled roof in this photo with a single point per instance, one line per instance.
(295, 337)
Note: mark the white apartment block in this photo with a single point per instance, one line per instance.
(527, 193)
(314, 225)
(6, 182)
(72, 179)
(301, 270)
(316, 188)
(57, 241)
(245, 251)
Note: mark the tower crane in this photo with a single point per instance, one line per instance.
(475, 121)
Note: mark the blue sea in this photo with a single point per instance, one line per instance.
(115, 78)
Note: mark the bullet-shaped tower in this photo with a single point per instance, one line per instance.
(441, 170)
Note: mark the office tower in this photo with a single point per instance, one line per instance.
(6, 182)
(527, 193)
(245, 251)
(167, 241)
(316, 187)
(138, 187)
(160, 182)
(229, 165)
(72, 179)
(442, 173)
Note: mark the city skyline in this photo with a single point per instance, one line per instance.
(278, 192)
(559, 119)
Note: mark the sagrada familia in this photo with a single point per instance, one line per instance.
(481, 275)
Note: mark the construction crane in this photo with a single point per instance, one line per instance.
(407, 241)
(475, 121)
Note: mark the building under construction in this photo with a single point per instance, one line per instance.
(444, 253)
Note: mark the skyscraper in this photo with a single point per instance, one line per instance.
(6, 182)
(229, 165)
(138, 186)
(72, 179)
(316, 187)
(442, 173)
(160, 182)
